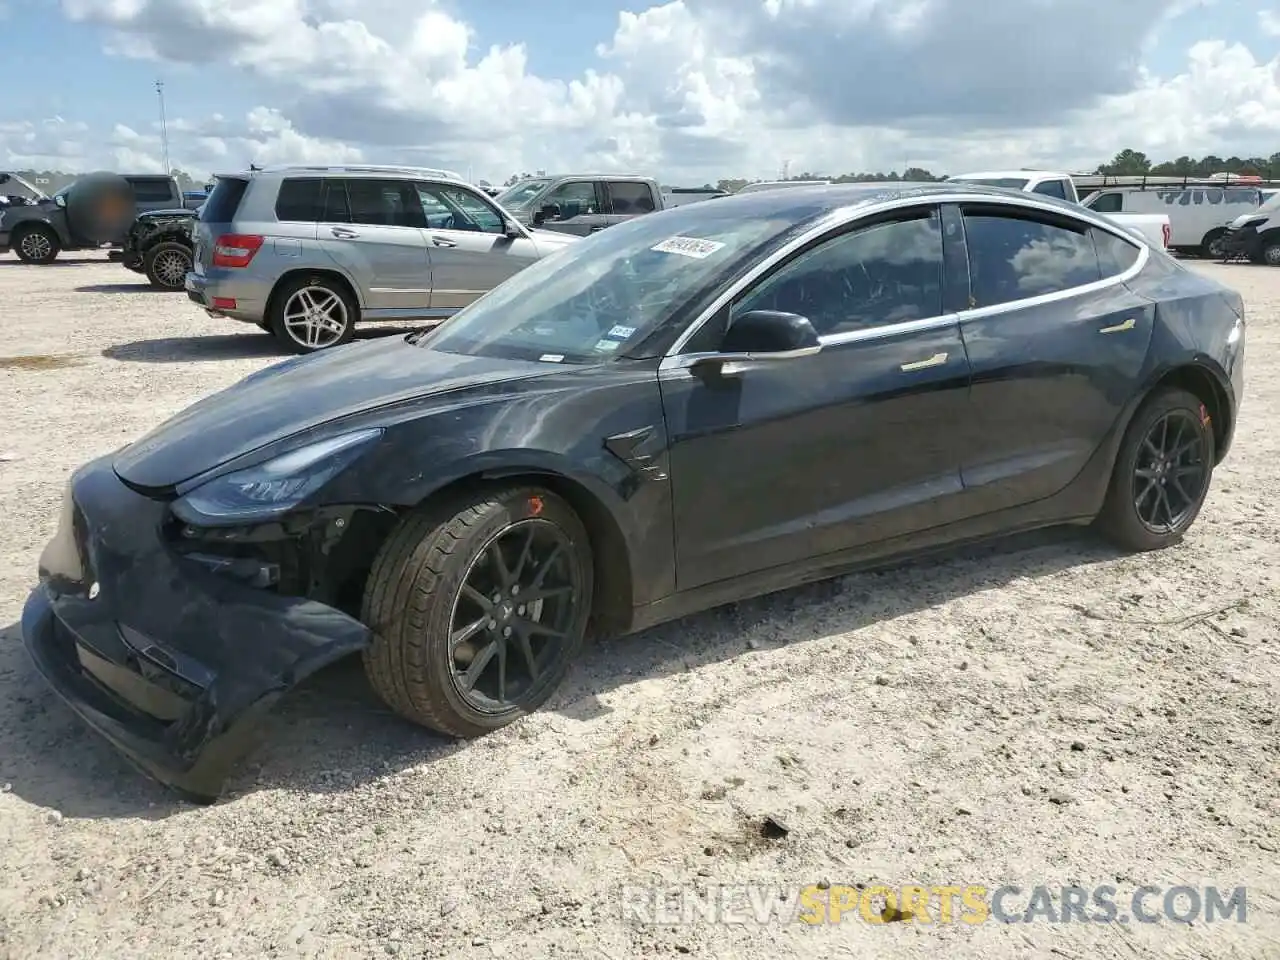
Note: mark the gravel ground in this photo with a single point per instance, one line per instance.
(1041, 711)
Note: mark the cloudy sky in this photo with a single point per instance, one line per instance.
(691, 90)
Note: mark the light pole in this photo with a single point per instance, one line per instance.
(164, 127)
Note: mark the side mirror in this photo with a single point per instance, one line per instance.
(764, 335)
(771, 335)
(60, 200)
(510, 230)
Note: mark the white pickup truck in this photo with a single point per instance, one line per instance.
(1155, 228)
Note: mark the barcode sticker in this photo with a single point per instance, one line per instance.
(693, 247)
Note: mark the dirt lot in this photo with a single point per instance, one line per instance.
(1039, 712)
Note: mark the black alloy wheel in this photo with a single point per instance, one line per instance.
(1170, 477)
(512, 617)
(1162, 473)
(478, 606)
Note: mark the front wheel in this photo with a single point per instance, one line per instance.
(38, 245)
(167, 265)
(478, 609)
(311, 313)
(1271, 251)
(1214, 245)
(1162, 473)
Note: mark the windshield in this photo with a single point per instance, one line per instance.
(1011, 183)
(522, 193)
(593, 298)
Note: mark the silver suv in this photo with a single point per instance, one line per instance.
(308, 252)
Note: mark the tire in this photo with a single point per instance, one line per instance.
(1120, 520)
(1212, 245)
(414, 600)
(39, 245)
(1271, 251)
(339, 306)
(167, 264)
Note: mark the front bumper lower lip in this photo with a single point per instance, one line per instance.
(174, 663)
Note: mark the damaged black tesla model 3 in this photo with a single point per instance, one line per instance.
(694, 407)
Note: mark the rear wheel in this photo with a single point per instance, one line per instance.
(311, 313)
(478, 609)
(167, 265)
(37, 245)
(1162, 473)
(1271, 251)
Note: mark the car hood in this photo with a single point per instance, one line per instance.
(304, 393)
(1244, 218)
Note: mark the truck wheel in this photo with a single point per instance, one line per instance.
(167, 265)
(1214, 244)
(1271, 251)
(312, 312)
(37, 245)
(478, 608)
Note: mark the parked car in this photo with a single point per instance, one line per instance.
(159, 244)
(308, 252)
(1199, 214)
(581, 203)
(1152, 227)
(84, 215)
(1255, 235)
(685, 410)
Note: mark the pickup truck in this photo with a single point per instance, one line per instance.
(77, 216)
(581, 203)
(1154, 228)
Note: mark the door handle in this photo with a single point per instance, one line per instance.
(937, 360)
(342, 233)
(1120, 327)
(442, 242)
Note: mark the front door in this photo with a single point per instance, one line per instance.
(793, 459)
(1056, 342)
(373, 230)
(468, 247)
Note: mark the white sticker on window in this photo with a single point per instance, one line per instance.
(606, 345)
(689, 247)
(551, 357)
(620, 332)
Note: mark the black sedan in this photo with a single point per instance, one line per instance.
(694, 407)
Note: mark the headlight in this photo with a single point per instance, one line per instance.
(272, 488)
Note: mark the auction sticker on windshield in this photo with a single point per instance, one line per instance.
(689, 247)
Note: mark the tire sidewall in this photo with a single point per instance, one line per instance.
(1125, 514)
(276, 321)
(511, 509)
(149, 259)
(55, 246)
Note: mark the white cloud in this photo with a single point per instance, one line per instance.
(691, 89)
(1269, 22)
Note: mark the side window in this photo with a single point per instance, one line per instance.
(336, 209)
(1014, 257)
(1115, 256)
(387, 203)
(574, 199)
(1051, 188)
(152, 190)
(1109, 203)
(299, 200)
(630, 197)
(876, 275)
(476, 214)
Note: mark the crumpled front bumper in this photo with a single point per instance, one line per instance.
(1242, 242)
(171, 661)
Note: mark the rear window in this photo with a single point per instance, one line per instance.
(1115, 256)
(224, 201)
(152, 190)
(299, 199)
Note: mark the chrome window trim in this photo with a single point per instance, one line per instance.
(850, 214)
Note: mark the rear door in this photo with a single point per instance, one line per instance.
(630, 198)
(1056, 342)
(467, 245)
(373, 229)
